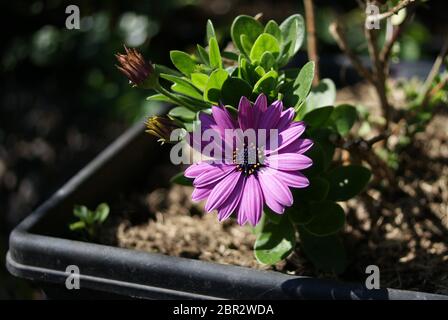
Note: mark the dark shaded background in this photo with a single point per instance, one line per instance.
(62, 100)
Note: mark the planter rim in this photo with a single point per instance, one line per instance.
(150, 275)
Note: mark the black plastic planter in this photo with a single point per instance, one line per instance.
(39, 252)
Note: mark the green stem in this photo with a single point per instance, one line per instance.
(168, 94)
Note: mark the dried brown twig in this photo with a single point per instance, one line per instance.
(401, 5)
(380, 58)
(426, 92)
(338, 34)
(379, 74)
(398, 30)
(313, 54)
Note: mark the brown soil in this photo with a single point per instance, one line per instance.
(404, 232)
(180, 229)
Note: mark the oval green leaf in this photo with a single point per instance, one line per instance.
(183, 62)
(326, 253)
(347, 181)
(245, 25)
(264, 43)
(303, 82)
(328, 218)
(267, 83)
(343, 118)
(273, 29)
(182, 113)
(212, 91)
(210, 30)
(214, 54)
(293, 32)
(199, 80)
(319, 117)
(275, 242)
(181, 179)
(233, 89)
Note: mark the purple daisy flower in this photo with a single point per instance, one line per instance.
(258, 173)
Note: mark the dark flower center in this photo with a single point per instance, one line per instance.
(248, 159)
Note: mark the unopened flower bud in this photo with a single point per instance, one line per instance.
(161, 128)
(140, 73)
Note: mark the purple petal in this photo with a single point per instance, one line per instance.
(200, 194)
(245, 114)
(293, 179)
(197, 141)
(275, 192)
(288, 161)
(222, 118)
(251, 205)
(242, 219)
(222, 190)
(214, 174)
(277, 104)
(206, 121)
(285, 119)
(271, 116)
(261, 104)
(300, 146)
(197, 168)
(288, 136)
(230, 205)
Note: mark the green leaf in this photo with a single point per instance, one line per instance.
(212, 91)
(214, 54)
(267, 83)
(260, 71)
(303, 82)
(271, 216)
(203, 55)
(183, 86)
(246, 44)
(245, 25)
(319, 117)
(317, 154)
(210, 30)
(102, 212)
(324, 94)
(293, 32)
(248, 72)
(316, 191)
(181, 179)
(273, 29)
(81, 212)
(275, 242)
(233, 89)
(326, 253)
(182, 113)
(78, 225)
(175, 79)
(322, 136)
(230, 55)
(264, 43)
(159, 97)
(162, 69)
(199, 80)
(328, 218)
(300, 213)
(267, 61)
(344, 117)
(90, 219)
(347, 181)
(183, 62)
(186, 90)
